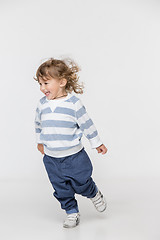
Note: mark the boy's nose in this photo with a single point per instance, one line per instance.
(42, 88)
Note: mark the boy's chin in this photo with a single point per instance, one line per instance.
(49, 97)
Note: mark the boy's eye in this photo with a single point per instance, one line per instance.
(41, 84)
(46, 83)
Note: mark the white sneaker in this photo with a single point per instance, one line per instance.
(72, 220)
(99, 202)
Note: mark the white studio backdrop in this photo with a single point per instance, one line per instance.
(116, 44)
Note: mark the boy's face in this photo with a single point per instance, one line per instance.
(52, 88)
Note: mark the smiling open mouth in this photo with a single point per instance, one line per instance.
(47, 93)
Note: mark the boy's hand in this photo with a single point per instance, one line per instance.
(102, 149)
(40, 148)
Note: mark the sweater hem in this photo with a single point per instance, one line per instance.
(63, 153)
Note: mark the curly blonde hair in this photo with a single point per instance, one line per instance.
(59, 69)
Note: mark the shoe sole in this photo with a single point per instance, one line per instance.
(67, 226)
(102, 210)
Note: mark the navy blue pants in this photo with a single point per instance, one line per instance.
(70, 175)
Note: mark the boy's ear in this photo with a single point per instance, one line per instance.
(63, 82)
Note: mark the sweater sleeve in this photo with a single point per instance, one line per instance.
(86, 125)
(37, 123)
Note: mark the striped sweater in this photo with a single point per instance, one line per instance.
(60, 130)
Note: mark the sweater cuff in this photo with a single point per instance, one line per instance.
(38, 141)
(95, 142)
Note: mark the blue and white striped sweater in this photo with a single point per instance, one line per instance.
(60, 130)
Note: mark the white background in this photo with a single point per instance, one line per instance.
(116, 44)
